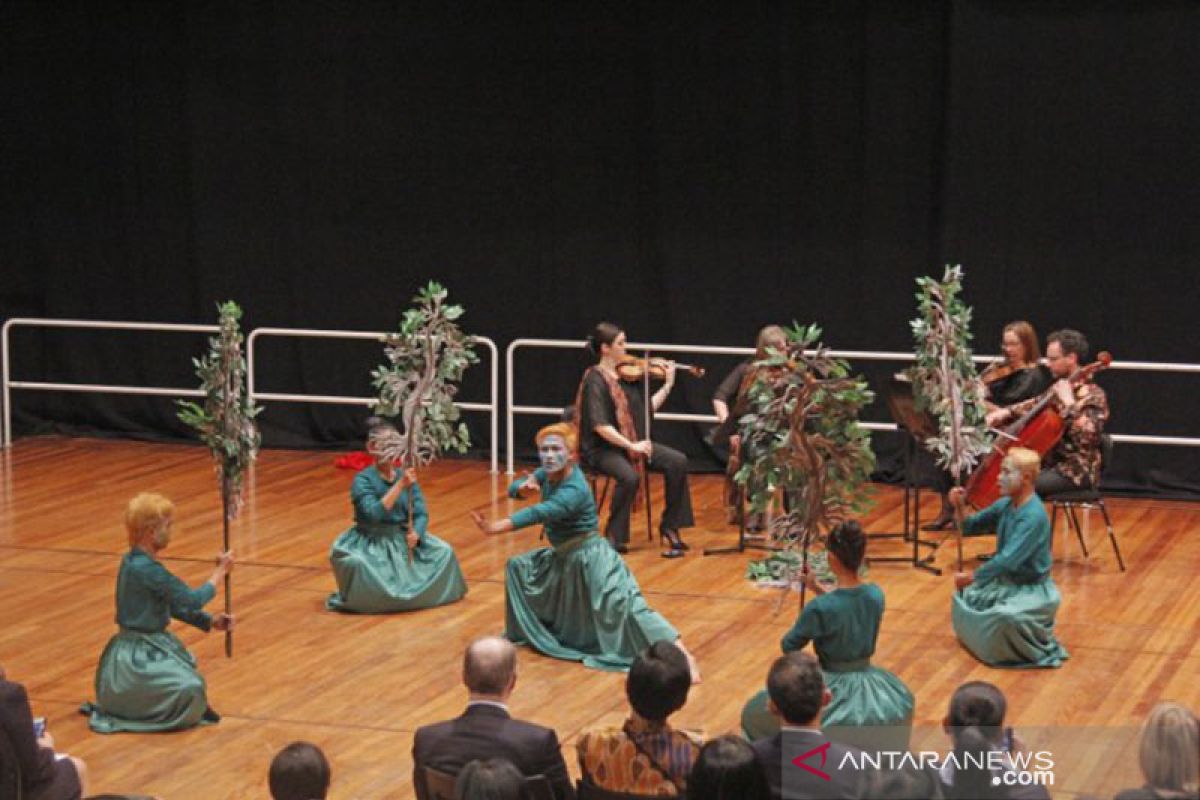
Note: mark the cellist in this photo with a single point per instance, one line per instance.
(1074, 463)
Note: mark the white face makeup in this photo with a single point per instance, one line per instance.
(552, 452)
(1010, 478)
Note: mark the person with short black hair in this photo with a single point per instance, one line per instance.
(975, 723)
(796, 695)
(299, 771)
(486, 730)
(646, 755)
(727, 769)
(493, 779)
(611, 414)
(385, 563)
(1073, 463)
(871, 707)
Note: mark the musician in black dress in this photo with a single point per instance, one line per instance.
(612, 440)
(1011, 380)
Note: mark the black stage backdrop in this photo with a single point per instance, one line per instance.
(692, 171)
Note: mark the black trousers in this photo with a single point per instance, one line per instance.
(670, 462)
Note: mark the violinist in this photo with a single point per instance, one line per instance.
(1074, 463)
(1012, 379)
(612, 433)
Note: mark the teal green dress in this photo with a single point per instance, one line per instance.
(147, 680)
(371, 563)
(1006, 617)
(871, 707)
(576, 600)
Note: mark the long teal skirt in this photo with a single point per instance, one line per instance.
(871, 709)
(147, 682)
(1006, 624)
(376, 576)
(579, 602)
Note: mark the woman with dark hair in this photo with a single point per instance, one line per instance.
(494, 779)
(726, 769)
(576, 599)
(982, 746)
(383, 563)
(612, 440)
(871, 706)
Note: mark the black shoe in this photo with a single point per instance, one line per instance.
(943, 522)
(210, 715)
(672, 538)
(619, 547)
(672, 553)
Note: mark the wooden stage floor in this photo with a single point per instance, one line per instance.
(360, 686)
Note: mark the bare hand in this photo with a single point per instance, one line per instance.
(670, 373)
(530, 484)
(645, 447)
(481, 523)
(413, 540)
(963, 579)
(225, 562)
(809, 579)
(957, 497)
(224, 622)
(1065, 392)
(46, 740)
(996, 417)
(408, 478)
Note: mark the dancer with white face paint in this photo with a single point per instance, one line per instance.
(575, 600)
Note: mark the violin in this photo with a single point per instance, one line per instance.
(998, 370)
(632, 368)
(1039, 429)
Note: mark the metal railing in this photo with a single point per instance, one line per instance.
(492, 407)
(99, 388)
(513, 408)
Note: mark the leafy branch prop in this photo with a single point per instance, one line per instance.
(945, 379)
(426, 359)
(801, 436)
(225, 422)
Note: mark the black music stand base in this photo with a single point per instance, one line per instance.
(742, 545)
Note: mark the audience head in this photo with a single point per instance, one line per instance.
(603, 339)
(975, 722)
(848, 544)
(299, 772)
(490, 667)
(148, 520)
(796, 689)
(905, 783)
(658, 681)
(726, 769)
(1169, 749)
(773, 337)
(494, 779)
(1019, 343)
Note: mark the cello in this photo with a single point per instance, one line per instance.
(1039, 429)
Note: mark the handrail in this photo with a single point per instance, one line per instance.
(316, 333)
(7, 384)
(512, 408)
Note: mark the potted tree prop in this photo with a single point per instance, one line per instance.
(426, 359)
(802, 437)
(945, 381)
(225, 422)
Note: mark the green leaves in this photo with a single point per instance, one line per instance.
(944, 376)
(426, 359)
(225, 421)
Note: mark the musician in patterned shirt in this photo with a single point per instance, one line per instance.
(1074, 463)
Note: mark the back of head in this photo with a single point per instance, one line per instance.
(905, 783)
(848, 542)
(489, 666)
(1169, 749)
(299, 772)
(796, 687)
(976, 720)
(603, 333)
(726, 769)
(658, 681)
(494, 779)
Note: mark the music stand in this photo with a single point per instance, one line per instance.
(917, 427)
(742, 545)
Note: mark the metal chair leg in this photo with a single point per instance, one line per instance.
(1070, 508)
(1112, 536)
(649, 511)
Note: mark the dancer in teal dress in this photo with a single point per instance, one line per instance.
(1005, 612)
(382, 564)
(147, 680)
(871, 707)
(576, 599)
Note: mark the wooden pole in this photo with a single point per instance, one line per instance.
(226, 491)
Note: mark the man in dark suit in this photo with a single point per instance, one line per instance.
(485, 730)
(28, 763)
(797, 693)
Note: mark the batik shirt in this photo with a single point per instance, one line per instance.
(1077, 454)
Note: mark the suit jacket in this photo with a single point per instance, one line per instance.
(487, 731)
(42, 775)
(843, 785)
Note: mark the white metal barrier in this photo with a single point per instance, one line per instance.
(851, 355)
(492, 407)
(99, 388)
